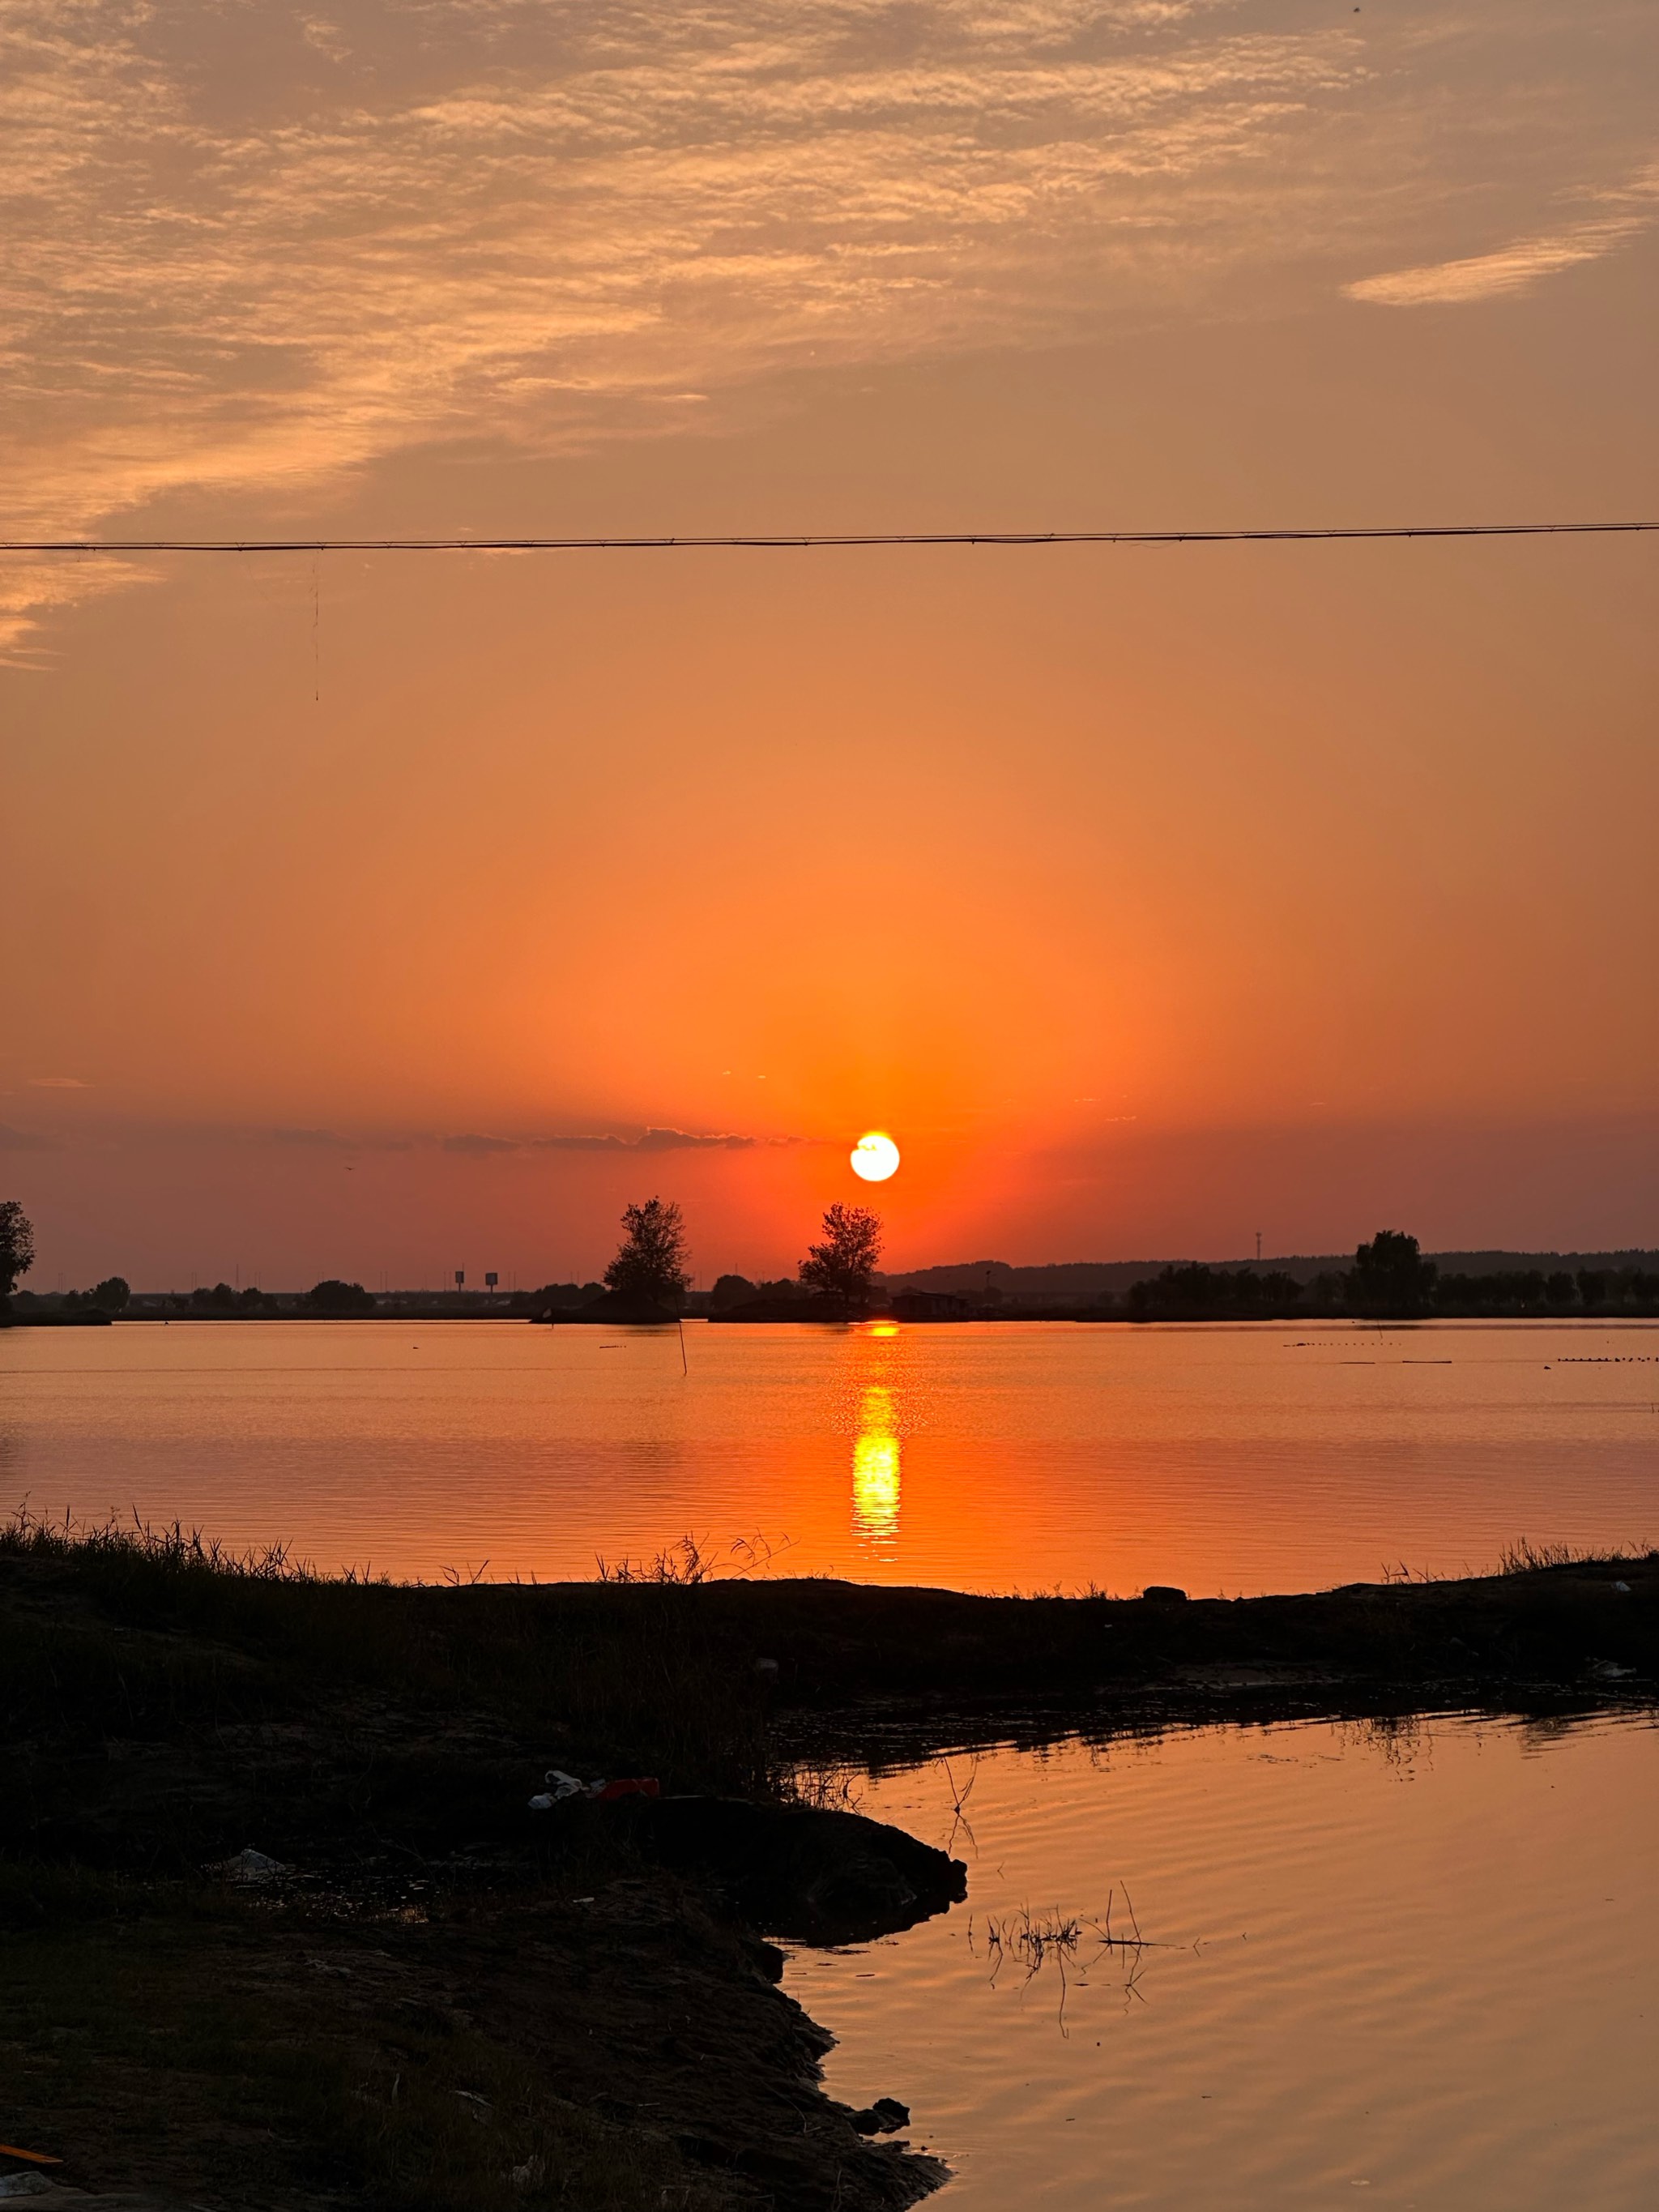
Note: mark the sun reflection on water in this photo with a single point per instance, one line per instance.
(876, 1466)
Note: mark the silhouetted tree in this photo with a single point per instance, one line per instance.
(16, 1247)
(650, 1262)
(730, 1291)
(1390, 1276)
(109, 1297)
(1619, 1290)
(1503, 1290)
(330, 1296)
(1196, 1293)
(844, 1265)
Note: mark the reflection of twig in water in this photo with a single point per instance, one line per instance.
(1138, 1939)
(1035, 1938)
(958, 1799)
(825, 1787)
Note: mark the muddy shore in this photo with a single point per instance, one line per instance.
(439, 1997)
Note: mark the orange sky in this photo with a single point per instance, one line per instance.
(1150, 897)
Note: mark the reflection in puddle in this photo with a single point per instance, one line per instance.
(1076, 1949)
(877, 1467)
(1347, 1968)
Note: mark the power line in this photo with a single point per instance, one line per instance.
(830, 540)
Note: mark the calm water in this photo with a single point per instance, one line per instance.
(987, 1457)
(1422, 1966)
(1418, 1973)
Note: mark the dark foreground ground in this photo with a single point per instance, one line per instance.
(445, 1999)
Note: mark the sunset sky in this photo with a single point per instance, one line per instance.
(378, 915)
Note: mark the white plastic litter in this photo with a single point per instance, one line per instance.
(24, 2185)
(250, 1866)
(1624, 1587)
(561, 1785)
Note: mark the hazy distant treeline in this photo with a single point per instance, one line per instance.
(1390, 1279)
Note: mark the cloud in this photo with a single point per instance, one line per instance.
(478, 1144)
(248, 252)
(25, 1140)
(675, 1140)
(331, 1140)
(265, 260)
(1518, 268)
(58, 1082)
(649, 1140)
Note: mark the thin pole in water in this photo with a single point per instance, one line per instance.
(684, 1369)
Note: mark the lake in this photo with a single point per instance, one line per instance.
(1025, 1456)
(1415, 1966)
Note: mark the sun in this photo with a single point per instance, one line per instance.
(875, 1156)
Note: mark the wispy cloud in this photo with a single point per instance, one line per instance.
(478, 1144)
(248, 252)
(58, 1082)
(649, 1140)
(25, 1140)
(263, 260)
(1518, 267)
(330, 1140)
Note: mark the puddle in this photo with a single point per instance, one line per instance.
(1415, 1966)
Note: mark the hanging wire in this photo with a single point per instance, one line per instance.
(827, 539)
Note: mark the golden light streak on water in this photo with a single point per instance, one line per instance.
(878, 1468)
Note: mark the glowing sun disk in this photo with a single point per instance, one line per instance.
(875, 1156)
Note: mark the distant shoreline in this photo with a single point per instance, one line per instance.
(1389, 1281)
(1092, 1317)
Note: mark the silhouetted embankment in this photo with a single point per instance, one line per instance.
(439, 1995)
(1407, 1287)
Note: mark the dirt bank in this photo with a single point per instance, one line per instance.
(440, 1997)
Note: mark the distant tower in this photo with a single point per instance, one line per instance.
(490, 1280)
(1258, 1248)
(460, 1279)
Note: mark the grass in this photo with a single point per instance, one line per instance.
(163, 1631)
(1524, 1557)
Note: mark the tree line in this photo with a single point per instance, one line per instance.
(1391, 1280)
(650, 1275)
